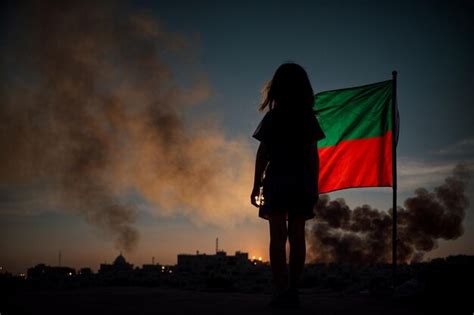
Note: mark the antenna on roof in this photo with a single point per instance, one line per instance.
(217, 244)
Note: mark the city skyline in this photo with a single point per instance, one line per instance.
(153, 261)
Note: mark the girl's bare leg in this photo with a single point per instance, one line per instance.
(296, 236)
(278, 237)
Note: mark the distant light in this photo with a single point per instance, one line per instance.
(254, 263)
(260, 258)
(162, 267)
(170, 271)
(70, 273)
(253, 257)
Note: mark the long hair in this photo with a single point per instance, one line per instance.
(289, 87)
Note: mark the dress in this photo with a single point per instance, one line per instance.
(290, 182)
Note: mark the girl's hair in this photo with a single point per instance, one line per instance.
(289, 86)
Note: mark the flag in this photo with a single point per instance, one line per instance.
(357, 150)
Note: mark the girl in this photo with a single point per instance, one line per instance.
(287, 167)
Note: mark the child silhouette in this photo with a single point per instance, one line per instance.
(287, 168)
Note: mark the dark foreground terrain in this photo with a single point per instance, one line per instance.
(441, 286)
(141, 300)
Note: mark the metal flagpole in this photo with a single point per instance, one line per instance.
(394, 177)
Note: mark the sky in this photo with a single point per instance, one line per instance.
(234, 48)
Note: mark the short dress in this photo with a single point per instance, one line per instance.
(290, 183)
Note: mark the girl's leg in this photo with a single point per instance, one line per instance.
(278, 236)
(296, 236)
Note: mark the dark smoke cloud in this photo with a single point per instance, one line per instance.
(91, 110)
(364, 234)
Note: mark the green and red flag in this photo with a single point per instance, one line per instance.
(358, 124)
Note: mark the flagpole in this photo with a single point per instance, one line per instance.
(394, 178)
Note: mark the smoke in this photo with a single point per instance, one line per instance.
(92, 112)
(364, 234)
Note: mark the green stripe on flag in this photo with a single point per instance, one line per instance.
(354, 113)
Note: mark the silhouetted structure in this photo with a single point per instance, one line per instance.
(41, 271)
(120, 265)
(203, 263)
(221, 271)
(50, 276)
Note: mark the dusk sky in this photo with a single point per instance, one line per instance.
(217, 56)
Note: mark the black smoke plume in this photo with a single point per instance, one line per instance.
(92, 112)
(364, 234)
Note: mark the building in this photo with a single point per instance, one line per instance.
(53, 273)
(120, 272)
(204, 265)
(120, 265)
(220, 271)
(43, 276)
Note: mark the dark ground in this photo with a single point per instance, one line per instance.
(142, 300)
(442, 286)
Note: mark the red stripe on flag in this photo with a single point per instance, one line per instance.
(356, 163)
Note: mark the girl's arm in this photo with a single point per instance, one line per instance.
(260, 164)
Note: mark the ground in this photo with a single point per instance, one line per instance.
(142, 300)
